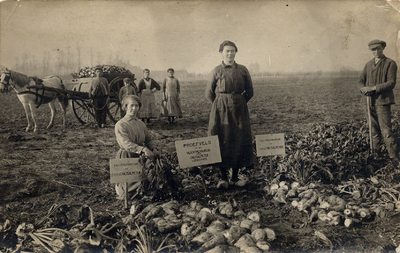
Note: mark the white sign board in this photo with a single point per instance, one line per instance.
(199, 151)
(270, 144)
(125, 170)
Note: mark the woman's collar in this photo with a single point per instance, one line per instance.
(130, 118)
(227, 65)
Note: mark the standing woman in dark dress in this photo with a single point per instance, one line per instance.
(229, 89)
(147, 87)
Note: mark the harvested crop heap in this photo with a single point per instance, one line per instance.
(89, 71)
(326, 185)
(185, 226)
(330, 175)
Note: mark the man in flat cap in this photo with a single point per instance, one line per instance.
(99, 91)
(378, 80)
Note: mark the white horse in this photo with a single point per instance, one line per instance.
(31, 99)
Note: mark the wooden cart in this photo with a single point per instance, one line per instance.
(82, 103)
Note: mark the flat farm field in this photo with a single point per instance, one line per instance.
(49, 179)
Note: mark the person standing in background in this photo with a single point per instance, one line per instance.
(171, 91)
(147, 88)
(229, 89)
(128, 89)
(99, 92)
(377, 81)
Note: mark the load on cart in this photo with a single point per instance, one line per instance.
(82, 104)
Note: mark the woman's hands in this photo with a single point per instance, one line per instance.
(156, 152)
(147, 152)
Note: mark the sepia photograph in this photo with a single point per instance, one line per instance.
(199, 126)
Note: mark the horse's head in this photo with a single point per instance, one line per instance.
(5, 81)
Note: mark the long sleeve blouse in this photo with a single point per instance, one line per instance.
(233, 79)
(132, 135)
(153, 84)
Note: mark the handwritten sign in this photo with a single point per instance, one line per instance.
(270, 144)
(125, 170)
(199, 151)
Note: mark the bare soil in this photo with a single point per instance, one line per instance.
(70, 167)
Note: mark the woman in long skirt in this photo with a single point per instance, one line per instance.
(147, 88)
(171, 90)
(229, 89)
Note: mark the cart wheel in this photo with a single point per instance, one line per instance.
(83, 112)
(114, 105)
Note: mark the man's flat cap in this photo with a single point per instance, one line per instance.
(375, 43)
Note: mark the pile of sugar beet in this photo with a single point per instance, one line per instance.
(328, 176)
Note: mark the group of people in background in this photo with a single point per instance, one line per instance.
(170, 105)
(229, 89)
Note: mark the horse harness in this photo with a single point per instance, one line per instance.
(39, 90)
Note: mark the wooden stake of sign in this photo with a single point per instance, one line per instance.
(270, 145)
(271, 173)
(204, 180)
(126, 196)
(125, 170)
(198, 152)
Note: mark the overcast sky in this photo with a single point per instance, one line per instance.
(278, 35)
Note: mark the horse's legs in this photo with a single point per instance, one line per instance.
(26, 108)
(52, 110)
(33, 114)
(63, 107)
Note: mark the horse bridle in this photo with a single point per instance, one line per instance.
(6, 81)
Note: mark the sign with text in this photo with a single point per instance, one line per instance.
(199, 151)
(270, 144)
(125, 170)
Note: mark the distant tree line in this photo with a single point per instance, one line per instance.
(350, 73)
(64, 61)
(68, 60)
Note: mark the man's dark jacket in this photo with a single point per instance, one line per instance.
(383, 76)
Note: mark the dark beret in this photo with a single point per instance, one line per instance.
(98, 68)
(375, 43)
(227, 43)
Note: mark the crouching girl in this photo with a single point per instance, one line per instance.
(133, 139)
